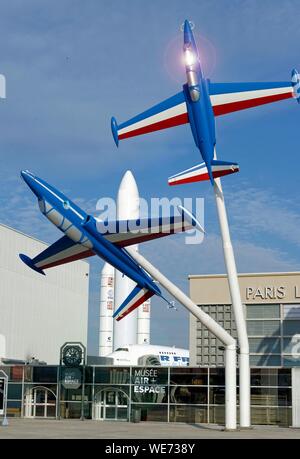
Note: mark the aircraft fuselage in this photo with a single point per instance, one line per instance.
(81, 228)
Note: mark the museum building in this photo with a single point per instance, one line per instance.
(83, 388)
(272, 310)
(161, 394)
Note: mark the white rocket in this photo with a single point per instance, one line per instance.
(134, 328)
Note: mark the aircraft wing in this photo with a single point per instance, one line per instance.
(129, 232)
(121, 233)
(232, 97)
(61, 252)
(225, 98)
(171, 112)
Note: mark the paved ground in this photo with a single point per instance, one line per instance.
(27, 428)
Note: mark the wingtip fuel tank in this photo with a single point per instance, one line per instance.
(296, 84)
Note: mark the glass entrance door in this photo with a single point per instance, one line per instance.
(40, 403)
(111, 405)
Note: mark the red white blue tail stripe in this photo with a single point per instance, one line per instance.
(137, 297)
(199, 173)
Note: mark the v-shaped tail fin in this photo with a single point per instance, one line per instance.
(201, 173)
(137, 297)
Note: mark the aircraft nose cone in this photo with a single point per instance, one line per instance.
(28, 178)
(187, 31)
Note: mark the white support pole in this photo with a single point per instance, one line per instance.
(244, 361)
(214, 327)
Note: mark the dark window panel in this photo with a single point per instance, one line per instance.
(107, 375)
(189, 414)
(151, 412)
(44, 374)
(14, 392)
(189, 376)
(291, 327)
(189, 395)
(217, 377)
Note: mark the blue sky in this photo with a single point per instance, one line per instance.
(71, 65)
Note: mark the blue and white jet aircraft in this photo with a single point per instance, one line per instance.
(85, 236)
(198, 104)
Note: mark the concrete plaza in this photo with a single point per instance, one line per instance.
(43, 429)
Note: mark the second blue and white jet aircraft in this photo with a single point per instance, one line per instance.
(85, 236)
(198, 104)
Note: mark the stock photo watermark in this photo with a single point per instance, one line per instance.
(161, 215)
(2, 87)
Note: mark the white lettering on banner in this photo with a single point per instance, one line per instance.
(150, 389)
(146, 372)
(145, 381)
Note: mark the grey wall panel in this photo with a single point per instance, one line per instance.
(39, 313)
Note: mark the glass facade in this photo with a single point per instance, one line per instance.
(192, 395)
(273, 329)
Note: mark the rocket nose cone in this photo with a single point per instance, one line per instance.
(128, 182)
(128, 176)
(128, 201)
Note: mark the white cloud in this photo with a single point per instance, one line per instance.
(255, 211)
